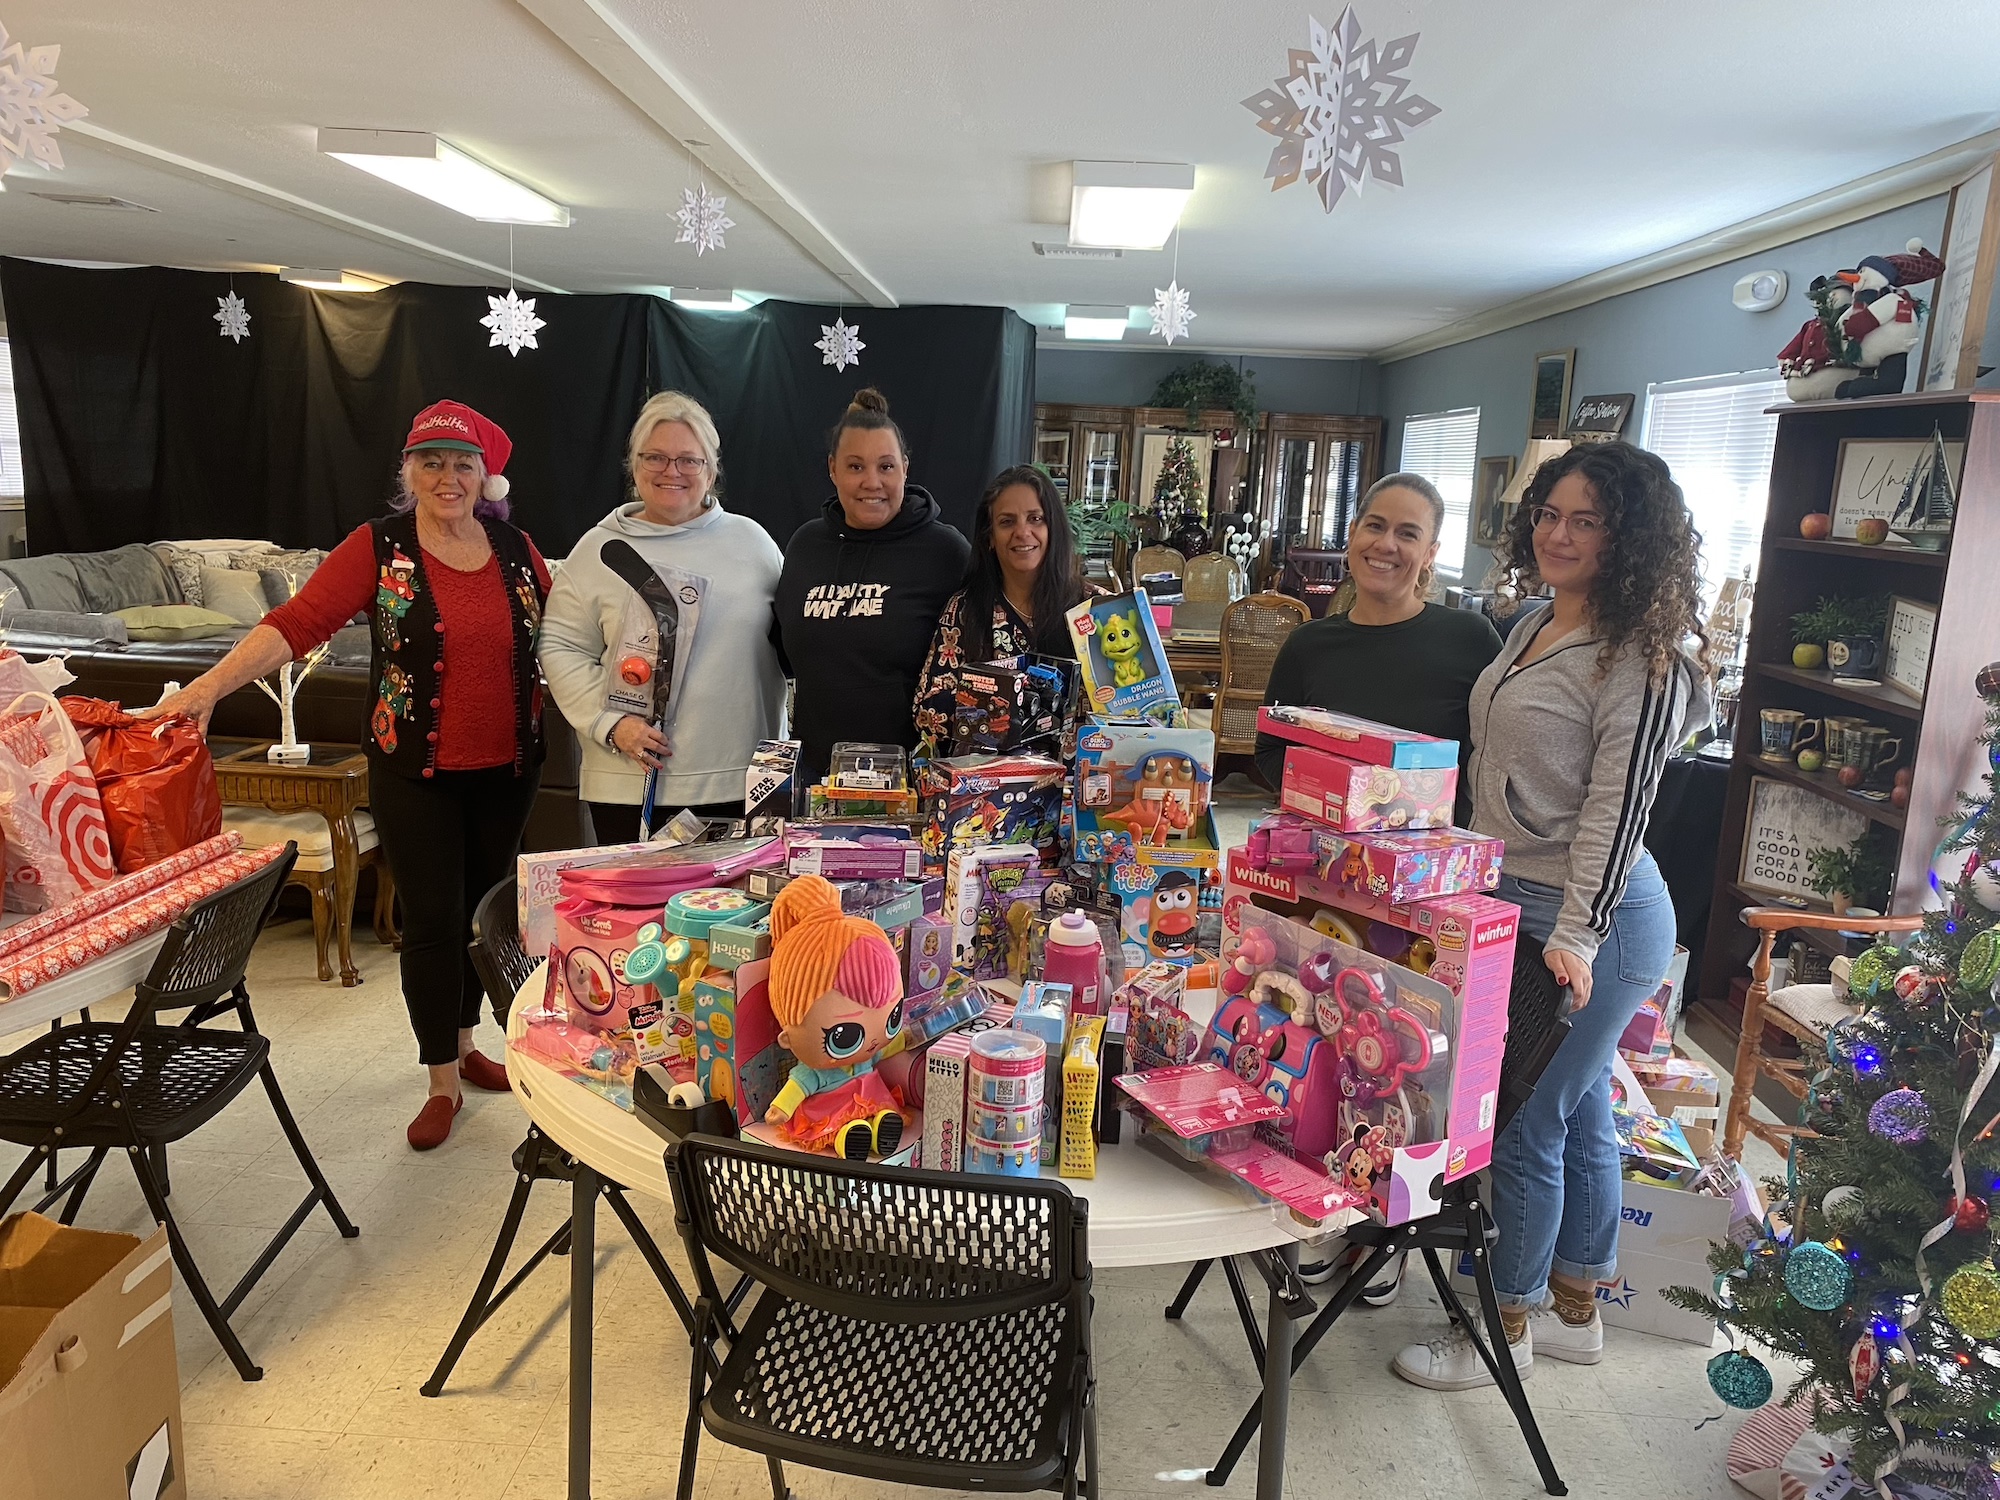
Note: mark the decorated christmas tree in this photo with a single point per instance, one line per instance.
(1178, 487)
(1875, 1271)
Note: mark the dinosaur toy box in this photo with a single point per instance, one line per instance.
(1121, 660)
(1139, 786)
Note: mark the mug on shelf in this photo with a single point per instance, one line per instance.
(1871, 747)
(1838, 728)
(1855, 656)
(1786, 731)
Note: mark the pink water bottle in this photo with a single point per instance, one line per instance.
(1075, 957)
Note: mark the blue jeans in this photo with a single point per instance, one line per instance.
(1556, 1185)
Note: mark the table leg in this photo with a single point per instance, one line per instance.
(346, 874)
(1277, 1385)
(582, 1323)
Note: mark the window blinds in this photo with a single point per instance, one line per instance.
(1444, 448)
(1717, 438)
(11, 484)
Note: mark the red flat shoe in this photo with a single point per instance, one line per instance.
(432, 1125)
(482, 1072)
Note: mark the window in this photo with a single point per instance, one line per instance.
(1717, 438)
(1444, 448)
(12, 487)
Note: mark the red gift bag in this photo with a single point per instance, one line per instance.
(155, 777)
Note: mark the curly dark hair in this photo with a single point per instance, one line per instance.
(1648, 591)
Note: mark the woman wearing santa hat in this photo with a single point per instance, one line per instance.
(454, 598)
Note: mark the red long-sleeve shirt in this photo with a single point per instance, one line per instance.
(475, 721)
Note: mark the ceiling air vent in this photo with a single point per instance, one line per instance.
(1057, 250)
(94, 200)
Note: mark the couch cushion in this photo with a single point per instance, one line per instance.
(308, 830)
(123, 577)
(174, 622)
(185, 568)
(240, 595)
(44, 583)
(62, 624)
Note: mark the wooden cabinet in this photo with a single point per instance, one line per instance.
(1315, 471)
(1938, 730)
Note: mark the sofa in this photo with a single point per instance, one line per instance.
(64, 604)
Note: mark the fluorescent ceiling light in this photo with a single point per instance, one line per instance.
(1130, 204)
(328, 280)
(707, 301)
(1056, 250)
(438, 170)
(1105, 324)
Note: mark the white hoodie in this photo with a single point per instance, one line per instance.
(733, 691)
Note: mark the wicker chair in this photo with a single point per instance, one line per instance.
(1805, 1012)
(1213, 582)
(1157, 560)
(1252, 631)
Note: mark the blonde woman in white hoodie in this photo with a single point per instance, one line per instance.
(730, 689)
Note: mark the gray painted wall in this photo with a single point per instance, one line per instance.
(1127, 377)
(1676, 330)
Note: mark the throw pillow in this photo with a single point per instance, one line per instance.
(238, 595)
(174, 622)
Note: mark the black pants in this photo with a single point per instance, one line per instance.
(449, 839)
(618, 822)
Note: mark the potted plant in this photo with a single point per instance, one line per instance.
(1856, 874)
(1845, 631)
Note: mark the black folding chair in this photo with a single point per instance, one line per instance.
(136, 1086)
(910, 1327)
(503, 967)
(1461, 1226)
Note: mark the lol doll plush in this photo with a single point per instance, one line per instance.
(836, 989)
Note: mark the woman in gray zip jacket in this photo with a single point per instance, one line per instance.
(1571, 726)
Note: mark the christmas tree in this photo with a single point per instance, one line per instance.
(1876, 1269)
(1178, 487)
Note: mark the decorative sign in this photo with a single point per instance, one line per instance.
(1785, 823)
(1963, 292)
(1906, 661)
(1550, 397)
(1605, 414)
(1869, 476)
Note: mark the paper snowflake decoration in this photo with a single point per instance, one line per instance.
(839, 344)
(702, 220)
(1341, 110)
(32, 109)
(1171, 313)
(233, 316)
(513, 322)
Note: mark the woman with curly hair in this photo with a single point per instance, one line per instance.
(1572, 725)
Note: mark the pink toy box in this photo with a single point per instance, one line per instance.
(1358, 739)
(1200, 1099)
(1392, 867)
(852, 851)
(1460, 945)
(539, 877)
(1357, 797)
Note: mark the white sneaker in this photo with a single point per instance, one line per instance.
(1452, 1364)
(1387, 1283)
(1566, 1341)
(1317, 1271)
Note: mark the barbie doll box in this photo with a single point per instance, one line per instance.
(1358, 739)
(1358, 797)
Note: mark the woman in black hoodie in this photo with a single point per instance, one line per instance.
(861, 592)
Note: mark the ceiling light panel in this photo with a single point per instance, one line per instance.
(1095, 324)
(1131, 205)
(702, 300)
(437, 170)
(322, 279)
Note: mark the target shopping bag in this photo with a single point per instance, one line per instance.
(57, 844)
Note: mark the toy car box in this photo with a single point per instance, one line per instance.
(1121, 663)
(1357, 797)
(1357, 739)
(972, 801)
(1139, 786)
(1008, 704)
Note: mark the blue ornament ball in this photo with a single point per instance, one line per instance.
(1740, 1379)
(1902, 1116)
(1816, 1275)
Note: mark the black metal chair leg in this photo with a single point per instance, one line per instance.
(191, 1275)
(697, 1388)
(81, 1188)
(483, 1301)
(157, 1156)
(303, 1152)
(1240, 1295)
(1188, 1288)
(650, 1253)
(778, 1489)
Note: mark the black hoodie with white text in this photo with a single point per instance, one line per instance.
(855, 614)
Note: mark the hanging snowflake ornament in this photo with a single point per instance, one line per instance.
(1341, 110)
(233, 316)
(513, 322)
(839, 344)
(1171, 313)
(702, 220)
(32, 108)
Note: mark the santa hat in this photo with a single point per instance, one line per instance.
(454, 425)
(1918, 265)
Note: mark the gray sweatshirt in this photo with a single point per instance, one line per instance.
(1566, 762)
(733, 693)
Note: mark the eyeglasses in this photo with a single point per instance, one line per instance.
(686, 463)
(1582, 525)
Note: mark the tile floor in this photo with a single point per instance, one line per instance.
(347, 1330)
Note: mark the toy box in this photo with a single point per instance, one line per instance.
(1199, 1100)
(737, 1056)
(1138, 785)
(735, 943)
(538, 878)
(1394, 867)
(840, 804)
(852, 851)
(1007, 704)
(1159, 909)
(991, 897)
(971, 801)
(945, 1069)
(1357, 797)
(1120, 661)
(928, 957)
(770, 785)
(1358, 739)
(1463, 944)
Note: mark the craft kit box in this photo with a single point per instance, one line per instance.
(1357, 797)
(1358, 739)
(1122, 664)
(972, 801)
(1139, 786)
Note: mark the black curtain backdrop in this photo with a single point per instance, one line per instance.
(140, 422)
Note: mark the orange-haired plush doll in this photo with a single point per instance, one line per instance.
(836, 989)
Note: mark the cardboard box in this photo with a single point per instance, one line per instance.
(1138, 785)
(1121, 661)
(945, 1068)
(1357, 739)
(1356, 797)
(89, 1393)
(973, 801)
(1663, 1240)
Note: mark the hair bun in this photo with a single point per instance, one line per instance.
(869, 399)
(809, 898)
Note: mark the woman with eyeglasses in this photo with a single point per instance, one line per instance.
(1572, 726)
(730, 693)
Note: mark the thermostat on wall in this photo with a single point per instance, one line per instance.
(1760, 291)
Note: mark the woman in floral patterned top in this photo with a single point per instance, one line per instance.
(1022, 579)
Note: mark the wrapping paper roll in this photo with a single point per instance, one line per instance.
(95, 937)
(32, 930)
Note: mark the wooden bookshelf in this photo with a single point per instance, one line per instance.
(1938, 730)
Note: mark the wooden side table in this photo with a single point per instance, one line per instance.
(334, 784)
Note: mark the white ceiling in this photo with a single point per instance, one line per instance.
(918, 146)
